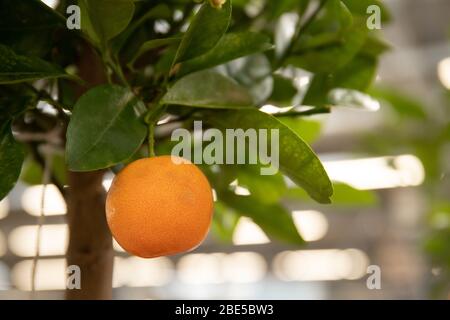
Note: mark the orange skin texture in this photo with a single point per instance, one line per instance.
(156, 207)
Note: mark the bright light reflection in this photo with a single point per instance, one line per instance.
(244, 267)
(320, 265)
(3, 246)
(247, 232)
(312, 225)
(444, 72)
(54, 203)
(4, 208)
(201, 268)
(377, 173)
(216, 268)
(50, 274)
(51, 3)
(54, 238)
(138, 272)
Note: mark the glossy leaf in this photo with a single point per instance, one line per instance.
(105, 128)
(11, 159)
(102, 20)
(297, 160)
(16, 68)
(230, 47)
(208, 89)
(205, 31)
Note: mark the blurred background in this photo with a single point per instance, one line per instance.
(397, 157)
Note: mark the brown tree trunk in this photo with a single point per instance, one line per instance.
(90, 241)
(90, 244)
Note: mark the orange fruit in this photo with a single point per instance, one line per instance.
(157, 207)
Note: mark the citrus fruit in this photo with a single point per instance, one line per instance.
(159, 206)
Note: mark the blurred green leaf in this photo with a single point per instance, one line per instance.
(161, 11)
(208, 89)
(32, 171)
(224, 222)
(283, 91)
(28, 26)
(400, 103)
(205, 31)
(16, 68)
(343, 195)
(308, 130)
(278, 7)
(267, 189)
(153, 44)
(230, 47)
(105, 128)
(358, 74)
(359, 7)
(11, 159)
(329, 58)
(254, 73)
(274, 219)
(15, 99)
(297, 160)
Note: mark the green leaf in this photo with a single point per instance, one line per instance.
(374, 46)
(343, 196)
(153, 44)
(278, 7)
(329, 58)
(267, 189)
(105, 128)
(32, 172)
(15, 99)
(308, 130)
(297, 160)
(28, 26)
(11, 159)
(224, 222)
(230, 47)
(208, 89)
(205, 31)
(283, 91)
(102, 20)
(16, 68)
(358, 74)
(353, 99)
(274, 219)
(400, 103)
(253, 73)
(161, 11)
